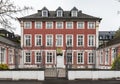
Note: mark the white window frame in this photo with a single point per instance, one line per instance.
(101, 57)
(82, 40)
(82, 25)
(37, 38)
(25, 40)
(2, 55)
(91, 25)
(59, 40)
(46, 57)
(106, 56)
(50, 25)
(67, 41)
(30, 57)
(69, 25)
(67, 57)
(38, 25)
(10, 56)
(47, 38)
(46, 15)
(93, 40)
(114, 54)
(57, 26)
(36, 57)
(61, 13)
(80, 58)
(27, 25)
(74, 13)
(91, 58)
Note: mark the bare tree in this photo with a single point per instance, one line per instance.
(8, 10)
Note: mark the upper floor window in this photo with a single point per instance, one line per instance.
(44, 13)
(91, 25)
(59, 25)
(80, 25)
(38, 25)
(74, 13)
(69, 25)
(91, 40)
(90, 58)
(80, 40)
(27, 40)
(38, 40)
(27, 25)
(59, 13)
(69, 40)
(59, 40)
(49, 25)
(49, 40)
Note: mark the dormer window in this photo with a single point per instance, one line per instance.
(44, 13)
(74, 13)
(59, 13)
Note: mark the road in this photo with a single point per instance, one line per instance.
(61, 82)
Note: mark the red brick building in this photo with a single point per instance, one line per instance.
(59, 38)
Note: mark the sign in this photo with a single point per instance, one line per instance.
(59, 51)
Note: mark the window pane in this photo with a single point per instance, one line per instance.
(69, 40)
(38, 39)
(49, 40)
(69, 25)
(38, 25)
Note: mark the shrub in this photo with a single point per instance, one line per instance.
(3, 66)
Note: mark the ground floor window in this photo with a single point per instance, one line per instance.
(80, 58)
(90, 58)
(49, 57)
(38, 57)
(69, 58)
(27, 57)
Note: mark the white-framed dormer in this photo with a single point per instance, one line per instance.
(59, 12)
(74, 12)
(44, 12)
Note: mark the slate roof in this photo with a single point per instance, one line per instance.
(8, 42)
(103, 34)
(52, 15)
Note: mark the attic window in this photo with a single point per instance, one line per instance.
(74, 13)
(59, 13)
(44, 13)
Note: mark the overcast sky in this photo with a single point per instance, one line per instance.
(105, 9)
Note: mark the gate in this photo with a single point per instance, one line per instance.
(55, 73)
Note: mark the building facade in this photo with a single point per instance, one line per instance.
(107, 53)
(59, 39)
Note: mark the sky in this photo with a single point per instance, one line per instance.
(105, 9)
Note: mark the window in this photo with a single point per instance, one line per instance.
(59, 40)
(91, 25)
(10, 56)
(101, 57)
(80, 40)
(69, 40)
(80, 25)
(27, 25)
(91, 40)
(106, 57)
(69, 58)
(44, 13)
(49, 57)
(38, 40)
(27, 40)
(2, 55)
(59, 25)
(80, 58)
(90, 58)
(74, 13)
(38, 57)
(101, 37)
(27, 57)
(59, 13)
(114, 53)
(38, 25)
(49, 25)
(49, 40)
(69, 25)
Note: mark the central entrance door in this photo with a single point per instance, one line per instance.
(60, 61)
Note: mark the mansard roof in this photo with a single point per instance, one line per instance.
(52, 15)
